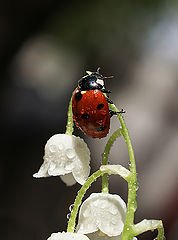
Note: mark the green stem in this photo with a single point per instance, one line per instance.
(147, 225)
(105, 154)
(161, 232)
(70, 122)
(132, 183)
(78, 200)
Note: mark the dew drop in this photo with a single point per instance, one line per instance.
(68, 216)
(114, 221)
(71, 207)
(68, 166)
(95, 203)
(108, 227)
(86, 213)
(82, 111)
(103, 112)
(52, 166)
(52, 148)
(113, 211)
(70, 153)
(103, 204)
(137, 186)
(100, 122)
(134, 205)
(60, 146)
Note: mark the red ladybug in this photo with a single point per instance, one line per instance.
(90, 106)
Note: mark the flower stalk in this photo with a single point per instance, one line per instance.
(70, 121)
(147, 225)
(132, 183)
(105, 154)
(78, 200)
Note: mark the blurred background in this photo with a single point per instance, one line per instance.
(45, 48)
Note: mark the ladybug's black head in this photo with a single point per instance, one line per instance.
(91, 81)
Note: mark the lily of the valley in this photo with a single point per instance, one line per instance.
(66, 156)
(67, 236)
(102, 214)
(99, 236)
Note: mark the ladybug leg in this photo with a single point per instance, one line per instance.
(112, 113)
(105, 90)
(109, 100)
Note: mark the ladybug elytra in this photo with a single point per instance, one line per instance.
(90, 106)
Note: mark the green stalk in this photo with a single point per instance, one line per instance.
(70, 122)
(78, 200)
(147, 225)
(132, 183)
(105, 154)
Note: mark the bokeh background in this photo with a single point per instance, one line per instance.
(45, 47)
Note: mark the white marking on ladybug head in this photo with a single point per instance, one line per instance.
(100, 81)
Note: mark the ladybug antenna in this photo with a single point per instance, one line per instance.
(108, 77)
(98, 70)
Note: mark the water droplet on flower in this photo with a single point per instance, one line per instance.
(68, 167)
(95, 203)
(114, 221)
(60, 146)
(86, 213)
(113, 211)
(108, 227)
(103, 204)
(52, 166)
(70, 153)
(52, 148)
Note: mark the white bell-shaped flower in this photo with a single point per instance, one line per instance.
(67, 236)
(99, 236)
(66, 156)
(102, 212)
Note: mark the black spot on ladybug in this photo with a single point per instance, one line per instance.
(100, 106)
(85, 116)
(78, 96)
(101, 128)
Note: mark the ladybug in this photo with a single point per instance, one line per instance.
(90, 106)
